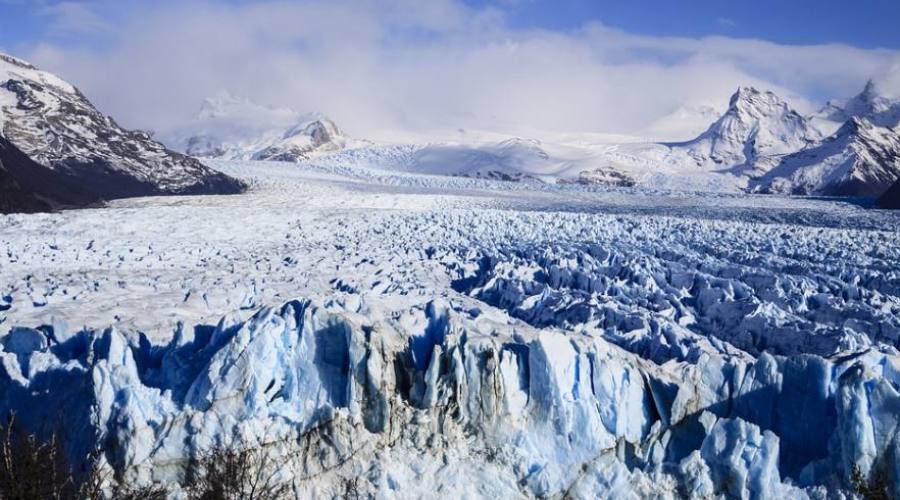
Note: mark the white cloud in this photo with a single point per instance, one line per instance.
(419, 66)
(726, 22)
(73, 18)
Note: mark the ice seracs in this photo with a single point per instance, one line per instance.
(860, 159)
(233, 128)
(333, 391)
(757, 127)
(83, 155)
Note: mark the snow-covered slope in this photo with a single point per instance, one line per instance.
(572, 160)
(86, 152)
(860, 159)
(234, 128)
(685, 121)
(512, 159)
(754, 135)
(757, 127)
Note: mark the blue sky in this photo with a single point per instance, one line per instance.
(862, 23)
(412, 65)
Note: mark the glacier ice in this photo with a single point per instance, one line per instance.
(552, 412)
(462, 337)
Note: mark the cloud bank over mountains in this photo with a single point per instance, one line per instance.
(420, 66)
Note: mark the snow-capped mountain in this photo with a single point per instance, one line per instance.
(861, 159)
(233, 128)
(757, 127)
(85, 155)
(873, 104)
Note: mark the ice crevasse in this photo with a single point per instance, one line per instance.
(412, 399)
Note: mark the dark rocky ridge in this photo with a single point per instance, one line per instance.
(79, 156)
(891, 198)
(14, 198)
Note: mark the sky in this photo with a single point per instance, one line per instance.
(413, 65)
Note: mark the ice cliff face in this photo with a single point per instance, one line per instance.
(757, 125)
(83, 155)
(545, 413)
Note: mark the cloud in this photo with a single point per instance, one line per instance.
(74, 18)
(726, 22)
(425, 66)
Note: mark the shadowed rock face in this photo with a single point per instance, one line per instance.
(891, 198)
(13, 198)
(79, 156)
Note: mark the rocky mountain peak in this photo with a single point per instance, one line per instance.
(873, 103)
(855, 125)
(752, 104)
(15, 61)
(320, 129)
(236, 128)
(78, 154)
(757, 126)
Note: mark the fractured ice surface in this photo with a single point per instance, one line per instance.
(456, 341)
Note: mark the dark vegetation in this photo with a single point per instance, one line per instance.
(31, 469)
(875, 488)
(235, 473)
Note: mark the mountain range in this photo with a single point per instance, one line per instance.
(760, 144)
(59, 149)
(781, 151)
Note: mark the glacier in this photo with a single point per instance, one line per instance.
(431, 336)
(548, 411)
